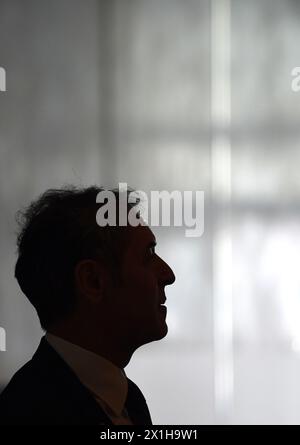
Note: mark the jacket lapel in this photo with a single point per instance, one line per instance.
(71, 400)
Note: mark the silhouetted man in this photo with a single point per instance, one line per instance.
(99, 294)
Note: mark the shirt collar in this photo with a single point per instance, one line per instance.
(104, 379)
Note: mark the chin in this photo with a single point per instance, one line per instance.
(161, 332)
(156, 335)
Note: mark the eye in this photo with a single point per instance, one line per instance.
(152, 250)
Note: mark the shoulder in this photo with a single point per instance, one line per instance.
(21, 396)
(35, 389)
(45, 391)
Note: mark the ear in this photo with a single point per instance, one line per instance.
(90, 279)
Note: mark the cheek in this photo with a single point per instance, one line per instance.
(137, 276)
(141, 288)
(147, 283)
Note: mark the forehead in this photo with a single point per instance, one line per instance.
(139, 237)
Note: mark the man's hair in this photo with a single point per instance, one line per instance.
(57, 231)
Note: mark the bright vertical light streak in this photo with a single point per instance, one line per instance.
(221, 194)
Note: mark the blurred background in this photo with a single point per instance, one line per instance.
(171, 95)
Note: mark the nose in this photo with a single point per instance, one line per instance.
(167, 275)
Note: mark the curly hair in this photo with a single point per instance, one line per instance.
(57, 231)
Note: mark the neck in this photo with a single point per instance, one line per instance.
(101, 344)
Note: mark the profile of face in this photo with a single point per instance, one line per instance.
(130, 310)
(139, 300)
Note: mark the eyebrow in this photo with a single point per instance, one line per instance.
(151, 244)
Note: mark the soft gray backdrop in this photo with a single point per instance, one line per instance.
(174, 95)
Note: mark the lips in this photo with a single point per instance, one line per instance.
(162, 297)
(163, 309)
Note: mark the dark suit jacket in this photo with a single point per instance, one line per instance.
(45, 391)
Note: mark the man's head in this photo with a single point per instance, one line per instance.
(103, 279)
